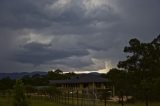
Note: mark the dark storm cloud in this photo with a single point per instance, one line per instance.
(79, 62)
(20, 14)
(141, 18)
(72, 34)
(36, 53)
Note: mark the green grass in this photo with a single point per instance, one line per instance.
(7, 101)
(34, 101)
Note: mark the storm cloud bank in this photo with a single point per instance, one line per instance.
(38, 35)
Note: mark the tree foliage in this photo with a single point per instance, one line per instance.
(140, 72)
(19, 98)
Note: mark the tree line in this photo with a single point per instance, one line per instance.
(139, 74)
(7, 84)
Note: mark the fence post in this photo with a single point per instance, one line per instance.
(59, 97)
(94, 102)
(72, 97)
(68, 97)
(77, 99)
(65, 98)
(105, 101)
(122, 99)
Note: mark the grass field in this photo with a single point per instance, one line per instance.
(7, 101)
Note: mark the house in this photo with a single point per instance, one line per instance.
(81, 83)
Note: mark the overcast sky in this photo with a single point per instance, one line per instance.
(38, 35)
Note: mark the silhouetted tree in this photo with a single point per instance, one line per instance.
(142, 66)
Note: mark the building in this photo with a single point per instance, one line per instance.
(83, 83)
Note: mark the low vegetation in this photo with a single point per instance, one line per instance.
(7, 101)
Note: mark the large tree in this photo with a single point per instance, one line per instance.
(143, 66)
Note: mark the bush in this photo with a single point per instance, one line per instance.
(19, 98)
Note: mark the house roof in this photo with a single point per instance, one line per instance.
(83, 78)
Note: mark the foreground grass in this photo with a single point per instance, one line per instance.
(7, 101)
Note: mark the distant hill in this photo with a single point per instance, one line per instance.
(17, 75)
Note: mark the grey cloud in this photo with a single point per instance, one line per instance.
(75, 61)
(141, 18)
(20, 14)
(78, 33)
(36, 53)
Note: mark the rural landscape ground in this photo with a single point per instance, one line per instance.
(39, 101)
